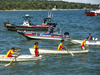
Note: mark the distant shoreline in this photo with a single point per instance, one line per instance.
(43, 10)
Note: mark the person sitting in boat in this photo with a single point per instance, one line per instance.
(83, 44)
(30, 22)
(60, 46)
(51, 29)
(43, 24)
(90, 37)
(36, 49)
(12, 51)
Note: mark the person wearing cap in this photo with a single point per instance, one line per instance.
(36, 48)
(12, 51)
(90, 37)
(60, 46)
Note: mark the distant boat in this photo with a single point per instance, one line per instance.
(27, 25)
(54, 8)
(94, 12)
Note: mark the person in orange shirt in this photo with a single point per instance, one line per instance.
(36, 48)
(12, 51)
(43, 24)
(83, 44)
(60, 46)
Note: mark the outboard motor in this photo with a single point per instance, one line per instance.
(66, 33)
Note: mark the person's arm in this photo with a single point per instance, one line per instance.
(17, 50)
(63, 46)
(85, 44)
(13, 52)
(87, 37)
(16, 53)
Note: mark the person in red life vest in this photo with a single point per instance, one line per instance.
(90, 37)
(83, 44)
(12, 51)
(36, 48)
(60, 46)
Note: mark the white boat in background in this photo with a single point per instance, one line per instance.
(20, 58)
(54, 8)
(48, 51)
(94, 12)
(88, 42)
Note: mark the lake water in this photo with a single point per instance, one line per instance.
(73, 21)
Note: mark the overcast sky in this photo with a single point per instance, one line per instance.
(85, 1)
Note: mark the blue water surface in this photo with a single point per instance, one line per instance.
(73, 21)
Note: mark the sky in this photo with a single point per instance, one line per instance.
(85, 1)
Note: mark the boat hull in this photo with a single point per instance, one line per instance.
(95, 12)
(90, 13)
(88, 42)
(42, 36)
(47, 51)
(20, 58)
(13, 27)
(10, 27)
(31, 28)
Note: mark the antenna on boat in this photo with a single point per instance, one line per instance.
(50, 15)
(60, 30)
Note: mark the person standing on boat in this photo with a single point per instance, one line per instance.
(83, 44)
(51, 29)
(43, 24)
(12, 51)
(36, 49)
(90, 37)
(60, 46)
(30, 22)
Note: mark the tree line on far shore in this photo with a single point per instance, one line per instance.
(42, 5)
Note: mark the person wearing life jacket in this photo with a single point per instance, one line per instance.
(90, 37)
(43, 24)
(60, 46)
(12, 51)
(83, 44)
(36, 48)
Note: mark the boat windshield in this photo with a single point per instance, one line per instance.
(27, 20)
(46, 21)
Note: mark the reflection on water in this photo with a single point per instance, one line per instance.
(83, 59)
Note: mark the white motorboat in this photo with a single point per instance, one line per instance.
(48, 51)
(88, 42)
(19, 58)
(46, 36)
